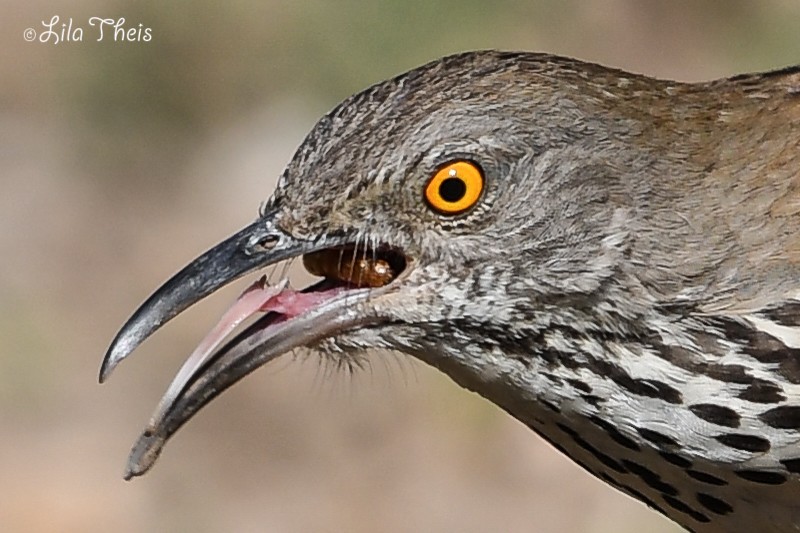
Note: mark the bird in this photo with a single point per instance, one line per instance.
(610, 258)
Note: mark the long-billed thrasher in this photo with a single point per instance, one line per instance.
(612, 259)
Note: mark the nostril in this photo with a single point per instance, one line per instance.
(263, 243)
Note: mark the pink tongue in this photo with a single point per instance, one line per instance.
(258, 297)
(292, 303)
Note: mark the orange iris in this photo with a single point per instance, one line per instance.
(455, 187)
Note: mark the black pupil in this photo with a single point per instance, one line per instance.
(452, 189)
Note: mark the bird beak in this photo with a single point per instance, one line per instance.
(208, 372)
(224, 263)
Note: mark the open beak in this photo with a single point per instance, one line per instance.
(290, 319)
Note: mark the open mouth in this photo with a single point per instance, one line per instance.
(290, 319)
(343, 268)
(359, 268)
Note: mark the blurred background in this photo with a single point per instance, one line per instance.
(121, 161)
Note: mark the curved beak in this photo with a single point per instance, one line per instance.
(266, 339)
(318, 312)
(258, 245)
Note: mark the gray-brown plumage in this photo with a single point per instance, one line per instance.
(626, 283)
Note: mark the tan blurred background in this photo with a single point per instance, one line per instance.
(119, 162)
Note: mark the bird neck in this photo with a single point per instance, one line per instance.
(666, 420)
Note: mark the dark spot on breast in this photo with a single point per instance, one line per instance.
(652, 479)
(762, 391)
(579, 385)
(792, 465)
(765, 347)
(783, 417)
(677, 460)
(685, 509)
(715, 505)
(658, 389)
(556, 380)
(615, 434)
(600, 456)
(747, 443)
(716, 414)
(592, 399)
(757, 344)
(568, 430)
(787, 314)
(706, 478)
(549, 405)
(761, 476)
(729, 373)
(656, 437)
(649, 388)
(557, 358)
(688, 360)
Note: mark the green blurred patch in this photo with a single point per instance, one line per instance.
(139, 110)
(26, 368)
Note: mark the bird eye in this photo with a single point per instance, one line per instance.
(455, 187)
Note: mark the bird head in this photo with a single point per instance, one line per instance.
(451, 211)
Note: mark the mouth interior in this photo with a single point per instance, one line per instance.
(349, 265)
(343, 268)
